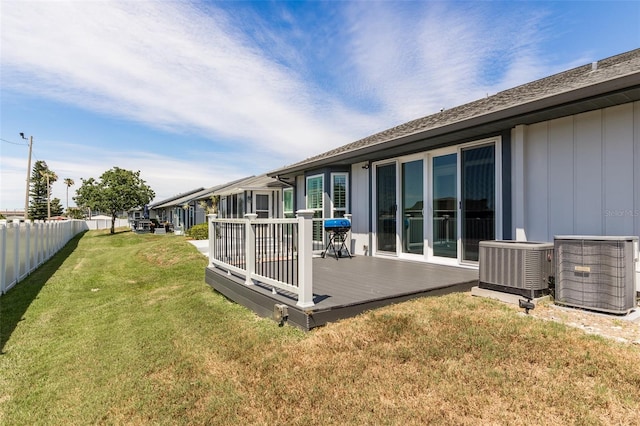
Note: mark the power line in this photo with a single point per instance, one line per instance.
(14, 143)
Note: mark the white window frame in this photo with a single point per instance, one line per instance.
(344, 209)
(318, 232)
(321, 208)
(286, 212)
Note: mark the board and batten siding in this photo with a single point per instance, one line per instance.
(300, 188)
(360, 209)
(580, 175)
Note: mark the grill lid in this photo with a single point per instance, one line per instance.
(336, 224)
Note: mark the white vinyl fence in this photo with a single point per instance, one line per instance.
(105, 223)
(25, 246)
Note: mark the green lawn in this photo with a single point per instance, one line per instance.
(122, 329)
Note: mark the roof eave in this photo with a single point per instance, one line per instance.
(628, 81)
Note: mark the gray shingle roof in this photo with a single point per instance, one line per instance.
(534, 94)
(171, 200)
(249, 184)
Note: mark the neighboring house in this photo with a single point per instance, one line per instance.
(12, 215)
(178, 210)
(255, 194)
(560, 155)
(261, 195)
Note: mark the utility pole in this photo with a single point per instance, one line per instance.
(26, 198)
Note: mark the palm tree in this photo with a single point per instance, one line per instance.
(69, 182)
(51, 177)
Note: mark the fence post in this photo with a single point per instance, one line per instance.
(27, 261)
(3, 258)
(38, 243)
(16, 252)
(305, 258)
(212, 235)
(250, 247)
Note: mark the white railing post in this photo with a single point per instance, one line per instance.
(212, 236)
(250, 247)
(305, 258)
(349, 216)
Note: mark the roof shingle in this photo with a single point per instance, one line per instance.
(567, 81)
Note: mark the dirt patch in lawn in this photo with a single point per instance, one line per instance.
(624, 329)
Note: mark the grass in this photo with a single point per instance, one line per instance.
(122, 329)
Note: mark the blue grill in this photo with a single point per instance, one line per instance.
(337, 230)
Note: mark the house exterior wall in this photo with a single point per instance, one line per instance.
(581, 175)
(300, 199)
(576, 175)
(360, 194)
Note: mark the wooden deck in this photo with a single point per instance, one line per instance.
(347, 287)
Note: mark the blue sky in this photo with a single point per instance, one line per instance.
(196, 94)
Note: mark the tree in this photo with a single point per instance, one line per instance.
(55, 207)
(69, 182)
(210, 206)
(41, 180)
(117, 190)
(49, 176)
(75, 213)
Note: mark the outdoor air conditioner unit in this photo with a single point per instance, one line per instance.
(596, 273)
(517, 267)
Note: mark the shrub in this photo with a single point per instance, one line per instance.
(199, 232)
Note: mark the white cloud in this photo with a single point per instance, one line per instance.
(246, 84)
(419, 60)
(166, 174)
(163, 64)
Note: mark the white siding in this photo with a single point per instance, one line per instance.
(636, 179)
(618, 170)
(588, 174)
(561, 178)
(582, 175)
(536, 182)
(359, 208)
(300, 200)
(636, 171)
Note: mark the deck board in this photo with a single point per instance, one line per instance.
(348, 286)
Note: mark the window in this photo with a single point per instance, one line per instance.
(315, 194)
(339, 192)
(287, 200)
(315, 191)
(262, 206)
(222, 210)
(240, 206)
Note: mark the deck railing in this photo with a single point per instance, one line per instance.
(25, 246)
(274, 252)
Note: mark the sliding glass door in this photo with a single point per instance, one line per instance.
(463, 188)
(445, 205)
(412, 207)
(461, 185)
(478, 179)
